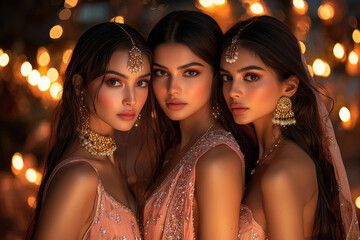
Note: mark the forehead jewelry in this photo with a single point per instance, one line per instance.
(135, 61)
(232, 51)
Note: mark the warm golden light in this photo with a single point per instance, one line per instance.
(353, 58)
(25, 69)
(43, 57)
(34, 77)
(44, 83)
(4, 59)
(65, 14)
(206, 3)
(70, 3)
(1, 51)
(302, 47)
(327, 70)
(300, 6)
(219, 2)
(17, 161)
(319, 67)
(118, 19)
(257, 8)
(356, 36)
(311, 71)
(357, 202)
(339, 51)
(52, 74)
(66, 56)
(56, 91)
(31, 201)
(326, 11)
(344, 114)
(31, 175)
(56, 32)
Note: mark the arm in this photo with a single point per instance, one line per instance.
(219, 190)
(283, 205)
(69, 204)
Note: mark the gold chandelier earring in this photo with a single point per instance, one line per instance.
(284, 115)
(94, 143)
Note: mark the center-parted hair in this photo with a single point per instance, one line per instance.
(278, 48)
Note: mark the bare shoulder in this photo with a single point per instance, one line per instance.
(220, 157)
(291, 168)
(78, 177)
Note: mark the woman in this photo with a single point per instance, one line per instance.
(293, 192)
(185, 205)
(83, 194)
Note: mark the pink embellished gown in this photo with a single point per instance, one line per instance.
(112, 220)
(168, 212)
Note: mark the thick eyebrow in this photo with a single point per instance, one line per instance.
(116, 73)
(181, 67)
(252, 67)
(124, 76)
(190, 64)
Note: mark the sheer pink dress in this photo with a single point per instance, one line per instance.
(112, 220)
(169, 210)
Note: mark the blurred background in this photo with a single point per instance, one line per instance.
(36, 42)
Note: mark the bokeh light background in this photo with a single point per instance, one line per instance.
(36, 42)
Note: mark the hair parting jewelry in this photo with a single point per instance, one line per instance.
(284, 115)
(94, 143)
(232, 52)
(135, 61)
(276, 144)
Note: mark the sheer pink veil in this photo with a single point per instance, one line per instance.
(348, 214)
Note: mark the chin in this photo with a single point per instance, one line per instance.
(241, 121)
(125, 127)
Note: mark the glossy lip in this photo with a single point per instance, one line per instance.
(174, 104)
(127, 115)
(238, 109)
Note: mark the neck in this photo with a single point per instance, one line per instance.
(266, 133)
(101, 127)
(194, 126)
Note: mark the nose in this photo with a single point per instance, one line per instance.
(129, 96)
(174, 86)
(236, 90)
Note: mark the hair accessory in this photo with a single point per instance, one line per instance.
(232, 52)
(94, 143)
(284, 115)
(135, 61)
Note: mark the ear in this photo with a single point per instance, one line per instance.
(290, 86)
(77, 82)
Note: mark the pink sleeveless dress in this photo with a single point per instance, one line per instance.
(112, 220)
(248, 227)
(168, 212)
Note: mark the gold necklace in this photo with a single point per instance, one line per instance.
(96, 144)
(276, 144)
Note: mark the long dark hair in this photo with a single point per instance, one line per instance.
(90, 58)
(279, 49)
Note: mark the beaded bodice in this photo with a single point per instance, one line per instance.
(169, 210)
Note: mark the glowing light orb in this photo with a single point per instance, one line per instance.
(26, 69)
(17, 161)
(31, 175)
(34, 77)
(344, 114)
(4, 59)
(339, 51)
(56, 32)
(257, 8)
(326, 11)
(353, 58)
(56, 91)
(44, 83)
(52, 74)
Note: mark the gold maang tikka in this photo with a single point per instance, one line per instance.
(232, 52)
(94, 143)
(135, 61)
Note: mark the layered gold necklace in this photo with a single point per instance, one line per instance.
(96, 144)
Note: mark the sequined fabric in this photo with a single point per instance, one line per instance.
(112, 220)
(249, 228)
(169, 210)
